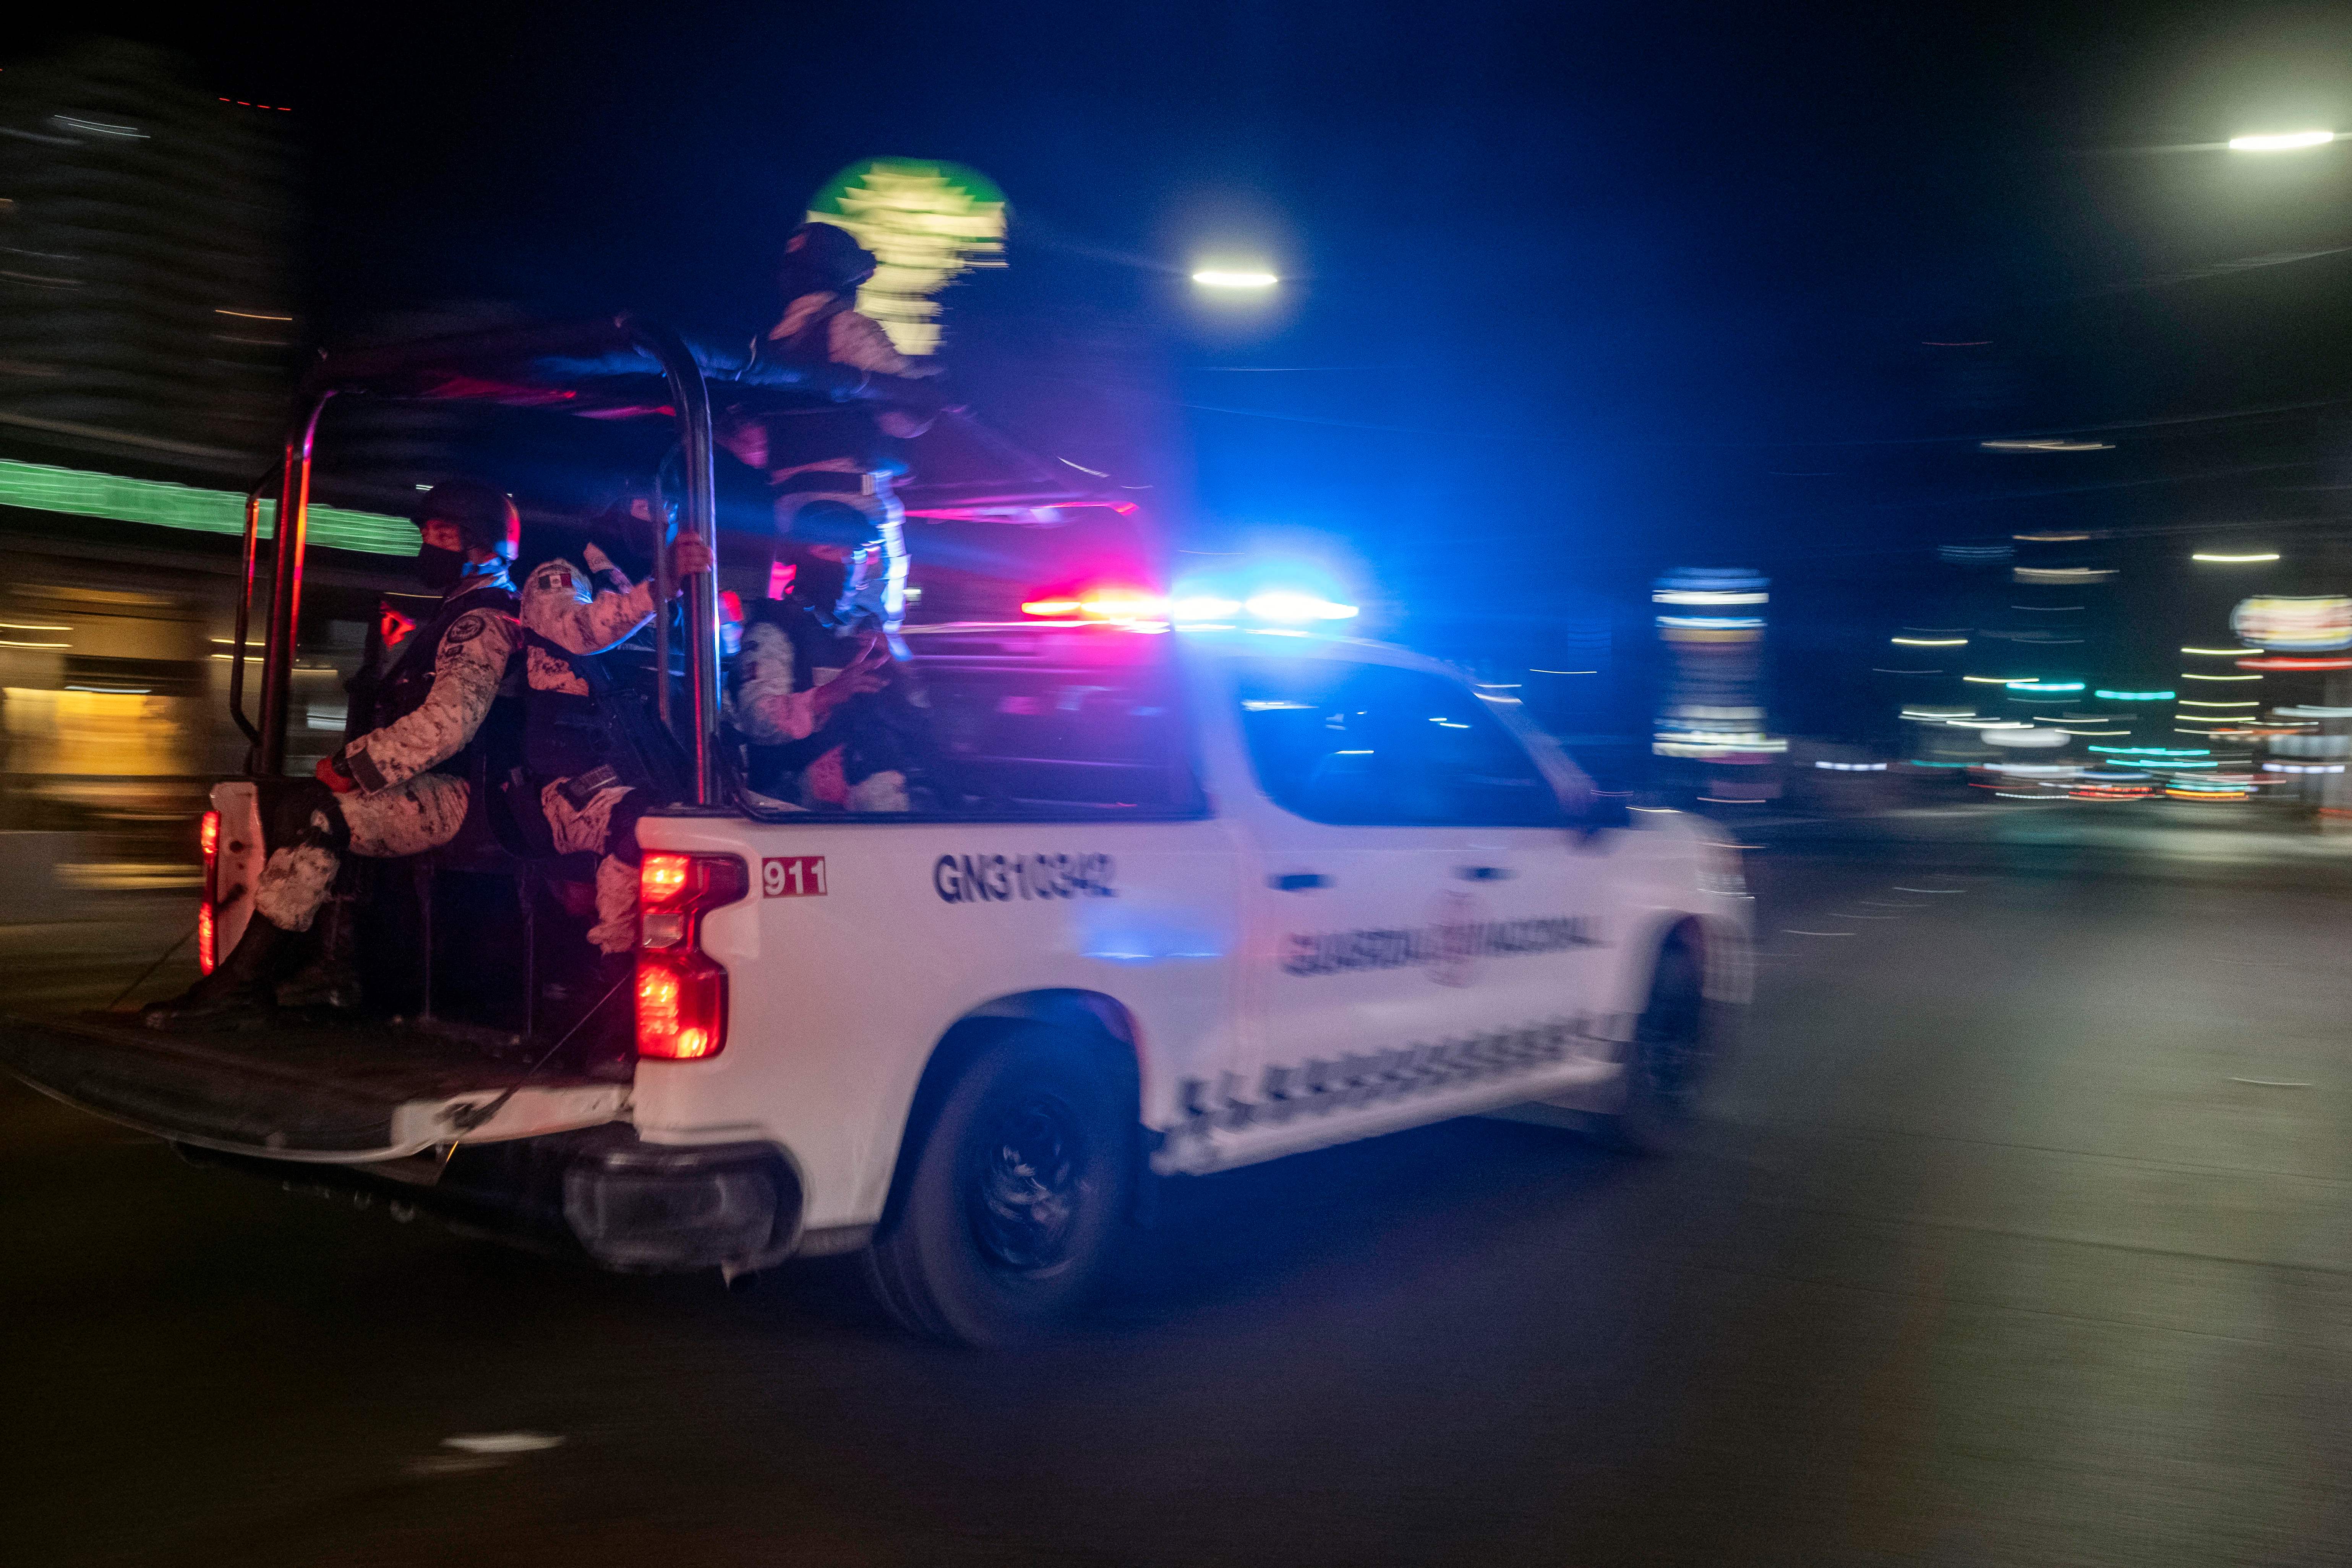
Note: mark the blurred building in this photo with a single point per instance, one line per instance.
(1711, 720)
(147, 261)
(148, 330)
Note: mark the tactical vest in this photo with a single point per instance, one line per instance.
(608, 736)
(878, 732)
(773, 769)
(409, 681)
(824, 435)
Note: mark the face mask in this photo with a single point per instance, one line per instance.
(820, 584)
(439, 567)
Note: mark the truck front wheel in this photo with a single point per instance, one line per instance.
(1681, 1039)
(1008, 1215)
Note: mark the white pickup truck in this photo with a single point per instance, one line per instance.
(1229, 895)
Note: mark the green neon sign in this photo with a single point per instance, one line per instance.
(42, 488)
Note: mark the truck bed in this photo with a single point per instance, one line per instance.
(335, 1091)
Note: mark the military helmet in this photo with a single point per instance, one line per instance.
(484, 515)
(829, 255)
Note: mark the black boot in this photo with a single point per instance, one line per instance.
(332, 978)
(241, 993)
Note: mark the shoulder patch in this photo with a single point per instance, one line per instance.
(468, 626)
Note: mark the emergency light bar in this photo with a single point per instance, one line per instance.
(1127, 605)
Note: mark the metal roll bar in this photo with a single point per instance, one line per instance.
(692, 401)
(286, 585)
(245, 608)
(606, 368)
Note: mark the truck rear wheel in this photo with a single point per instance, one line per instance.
(1676, 1045)
(1008, 1212)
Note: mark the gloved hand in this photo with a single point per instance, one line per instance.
(869, 671)
(687, 555)
(600, 568)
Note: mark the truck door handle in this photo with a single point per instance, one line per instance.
(1297, 881)
(1484, 873)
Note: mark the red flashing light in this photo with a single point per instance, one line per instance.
(1101, 604)
(208, 836)
(206, 942)
(681, 992)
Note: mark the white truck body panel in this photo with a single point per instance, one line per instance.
(1434, 971)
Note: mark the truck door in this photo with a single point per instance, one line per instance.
(1419, 933)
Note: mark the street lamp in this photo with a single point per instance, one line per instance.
(1221, 278)
(2283, 141)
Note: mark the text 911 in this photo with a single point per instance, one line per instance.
(792, 877)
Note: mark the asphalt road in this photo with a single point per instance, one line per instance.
(2025, 1237)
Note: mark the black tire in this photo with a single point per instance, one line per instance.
(1007, 1213)
(1678, 1044)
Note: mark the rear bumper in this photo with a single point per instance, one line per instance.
(666, 1208)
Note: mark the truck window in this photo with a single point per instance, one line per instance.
(1046, 742)
(1368, 745)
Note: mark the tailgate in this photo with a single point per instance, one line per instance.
(339, 1094)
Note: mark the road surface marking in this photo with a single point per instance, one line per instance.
(502, 1442)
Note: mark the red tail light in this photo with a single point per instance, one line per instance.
(681, 992)
(209, 837)
(681, 1006)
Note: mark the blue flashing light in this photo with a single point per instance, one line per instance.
(2135, 696)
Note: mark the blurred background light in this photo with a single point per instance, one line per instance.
(2282, 623)
(2281, 141)
(1282, 605)
(163, 504)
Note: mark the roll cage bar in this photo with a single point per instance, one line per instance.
(624, 366)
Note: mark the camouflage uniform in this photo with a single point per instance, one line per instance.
(560, 604)
(769, 706)
(404, 807)
(850, 338)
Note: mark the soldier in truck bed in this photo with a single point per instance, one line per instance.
(835, 460)
(402, 787)
(828, 720)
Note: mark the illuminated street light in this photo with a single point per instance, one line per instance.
(2287, 142)
(2217, 559)
(1216, 277)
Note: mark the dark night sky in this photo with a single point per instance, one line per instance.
(1583, 284)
